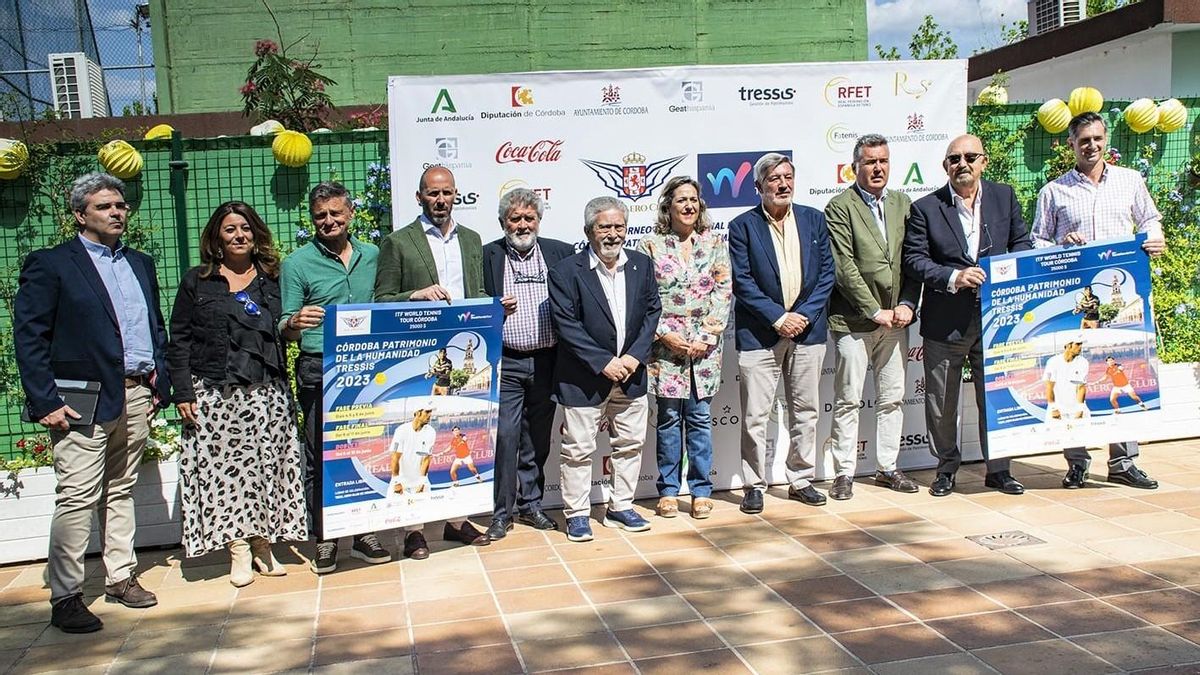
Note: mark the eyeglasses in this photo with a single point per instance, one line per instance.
(971, 158)
(249, 305)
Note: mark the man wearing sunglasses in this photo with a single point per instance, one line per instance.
(515, 270)
(949, 232)
(1092, 202)
(88, 310)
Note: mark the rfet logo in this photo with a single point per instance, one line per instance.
(841, 92)
(845, 173)
(545, 150)
(727, 178)
(521, 96)
(633, 178)
(510, 185)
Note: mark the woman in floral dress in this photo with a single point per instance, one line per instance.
(691, 263)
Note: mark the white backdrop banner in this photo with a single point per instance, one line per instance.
(572, 136)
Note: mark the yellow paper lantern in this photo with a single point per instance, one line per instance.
(159, 131)
(1054, 116)
(13, 158)
(120, 159)
(993, 94)
(291, 148)
(1141, 115)
(1172, 115)
(1085, 99)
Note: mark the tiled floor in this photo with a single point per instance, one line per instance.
(884, 583)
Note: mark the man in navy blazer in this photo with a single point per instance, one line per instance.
(783, 274)
(949, 232)
(88, 309)
(604, 301)
(515, 269)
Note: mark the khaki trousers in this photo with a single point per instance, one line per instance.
(626, 419)
(96, 467)
(799, 366)
(883, 350)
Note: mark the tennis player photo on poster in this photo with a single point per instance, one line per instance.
(410, 400)
(1069, 352)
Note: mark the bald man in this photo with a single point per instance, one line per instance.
(950, 232)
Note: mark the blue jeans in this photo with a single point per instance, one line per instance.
(680, 418)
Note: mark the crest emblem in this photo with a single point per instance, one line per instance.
(634, 178)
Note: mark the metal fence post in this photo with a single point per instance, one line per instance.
(178, 168)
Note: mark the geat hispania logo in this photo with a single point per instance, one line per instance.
(633, 178)
(726, 178)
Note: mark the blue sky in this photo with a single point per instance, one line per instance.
(117, 41)
(974, 24)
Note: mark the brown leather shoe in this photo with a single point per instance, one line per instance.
(466, 534)
(415, 546)
(896, 480)
(130, 593)
(842, 489)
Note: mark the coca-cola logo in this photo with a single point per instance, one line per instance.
(545, 150)
(916, 353)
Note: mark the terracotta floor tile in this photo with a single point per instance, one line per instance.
(348, 575)
(712, 604)
(1092, 529)
(529, 577)
(396, 665)
(362, 619)
(986, 568)
(1157, 523)
(292, 583)
(869, 559)
(367, 595)
(1055, 558)
(712, 579)
(594, 550)
(878, 517)
(838, 541)
(1140, 648)
(520, 558)
(191, 662)
(741, 533)
(910, 533)
(1140, 549)
(911, 578)
(670, 541)
(808, 525)
(550, 597)
(627, 588)
(646, 612)
(440, 637)
(21, 636)
(1166, 606)
(717, 661)
(359, 646)
(768, 626)
(1183, 571)
(1113, 580)
(148, 645)
(22, 594)
(494, 660)
(696, 558)
(825, 589)
(555, 623)
(895, 643)
(836, 617)
(570, 652)
(772, 549)
(790, 569)
(944, 602)
(249, 633)
(623, 668)
(1189, 630)
(804, 655)
(989, 630)
(287, 655)
(1081, 617)
(164, 618)
(1030, 591)
(521, 537)
(304, 602)
(944, 549)
(77, 654)
(676, 638)
(1051, 656)
(1117, 506)
(1044, 516)
(452, 609)
(959, 664)
(609, 568)
(1175, 499)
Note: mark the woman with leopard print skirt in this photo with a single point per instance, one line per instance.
(241, 476)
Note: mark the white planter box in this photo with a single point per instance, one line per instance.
(27, 504)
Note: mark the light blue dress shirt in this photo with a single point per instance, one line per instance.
(125, 293)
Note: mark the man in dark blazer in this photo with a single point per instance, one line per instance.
(604, 301)
(432, 258)
(869, 313)
(782, 276)
(88, 309)
(949, 232)
(516, 268)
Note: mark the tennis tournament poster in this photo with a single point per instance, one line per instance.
(410, 398)
(1069, 347)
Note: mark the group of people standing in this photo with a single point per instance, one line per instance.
(593, 331)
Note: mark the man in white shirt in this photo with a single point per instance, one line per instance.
(1092, 202)
(412, 450)
(1066, 382)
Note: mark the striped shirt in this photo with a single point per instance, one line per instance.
(1118, 206)
(528, 328)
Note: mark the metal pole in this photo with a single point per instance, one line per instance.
(179, 191)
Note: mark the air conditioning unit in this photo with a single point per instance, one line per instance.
(1046, 15)
(78, 85)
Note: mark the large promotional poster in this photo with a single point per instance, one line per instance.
(1069, 347)
(410, 401)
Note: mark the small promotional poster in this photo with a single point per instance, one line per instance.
(411, 393)
(1069, 347)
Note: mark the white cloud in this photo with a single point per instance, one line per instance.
(973, 24)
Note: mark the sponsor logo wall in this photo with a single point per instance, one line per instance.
(572, 136)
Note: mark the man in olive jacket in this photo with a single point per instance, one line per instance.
(433, 257)
(869, 312)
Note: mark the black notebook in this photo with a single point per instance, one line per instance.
(81, 395)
